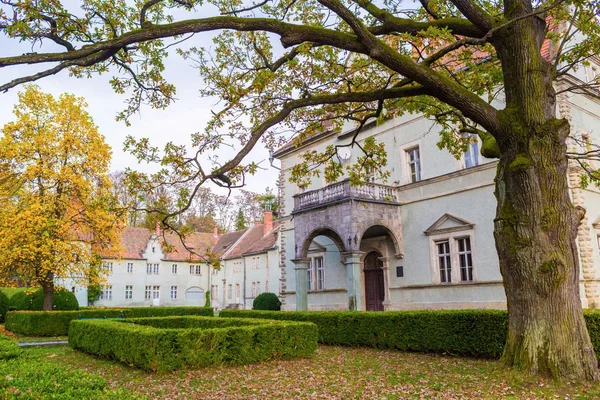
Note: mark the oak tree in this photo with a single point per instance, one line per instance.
(285, 67)
(57, 209)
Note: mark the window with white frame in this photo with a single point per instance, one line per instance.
(255, 263)
(196, 269)
(106, 293)
(237, 292)
(128, 292)
(214, 292)
(174, 269)
(108, 266)
(472, 153)
(152, 269)
(444, 261)
(173, 292)
(316, 274)
(230, 291)
(255, 289)
(413, 161)
(130, 268)
(452, 250)
(465, 259)
(156, 292)
(237, 267)
(148, 292)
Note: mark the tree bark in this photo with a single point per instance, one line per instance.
(535, 231)
(48, 290)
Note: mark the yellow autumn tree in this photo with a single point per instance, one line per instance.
(57, 213)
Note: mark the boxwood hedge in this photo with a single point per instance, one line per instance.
(33, 299)
(479, 333)
(165, 344)
(56, 323)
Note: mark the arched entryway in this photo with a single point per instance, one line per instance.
(374, 283)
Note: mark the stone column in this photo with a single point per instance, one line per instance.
(354, 283)
(301, 267)
(387, 301)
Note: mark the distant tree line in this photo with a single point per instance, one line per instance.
(208, 210)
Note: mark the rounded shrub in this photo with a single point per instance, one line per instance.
(4, 302)
(267, 301)
(33, 299)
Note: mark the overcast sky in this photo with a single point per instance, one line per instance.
(187, 115)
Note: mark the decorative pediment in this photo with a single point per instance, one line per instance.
(449, 223)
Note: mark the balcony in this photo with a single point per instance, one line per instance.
(335, 192)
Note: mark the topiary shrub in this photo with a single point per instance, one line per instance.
(207, 302)
(267, 301)
(4, 303)
(33, 299)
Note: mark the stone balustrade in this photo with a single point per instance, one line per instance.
(343, 190)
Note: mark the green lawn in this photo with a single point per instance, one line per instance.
(335, 372)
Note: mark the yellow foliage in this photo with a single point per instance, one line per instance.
(57, 209)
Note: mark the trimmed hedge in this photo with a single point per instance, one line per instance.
(267, 301)
(56, 323)
(33, 299)
(3, 306)
(479, 333)
(166, 344)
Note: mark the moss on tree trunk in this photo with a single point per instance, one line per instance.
(535, 230)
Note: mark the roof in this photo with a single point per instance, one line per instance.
(255, 241)
(226, 241)
(135, 240)
(199, 242)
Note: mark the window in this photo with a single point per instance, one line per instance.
(156, 292)
(148, 292)
(106, 293)
(213, 292)
(128, 292)
(108, 267)
(309, 278)
(230, 291)
(174, 292)
(400, 272)
(316, 274)
(255, 263)
(237, 292)
(451, 249)
(72, 289)
(413, 158)
(152, 269)
(196, 269)
(444, 261)
(237, 267)
(320, 273)
(174, 269)
(472, 153)
(465, 259)
(130, 268)
(255, 289)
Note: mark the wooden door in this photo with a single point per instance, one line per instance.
(374, 287)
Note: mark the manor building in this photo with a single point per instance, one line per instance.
(423, 239)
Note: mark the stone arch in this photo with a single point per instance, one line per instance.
(387, 231)
(322, 231)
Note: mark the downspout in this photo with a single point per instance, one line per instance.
(244, 261)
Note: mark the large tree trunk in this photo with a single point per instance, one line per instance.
(48, 290)
(535, 230)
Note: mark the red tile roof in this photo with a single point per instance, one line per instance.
(226, 241)
(135, 240)
(254, 241)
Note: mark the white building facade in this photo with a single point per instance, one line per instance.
(422, 240)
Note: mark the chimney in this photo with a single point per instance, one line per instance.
(216, 232)
(268, 220)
